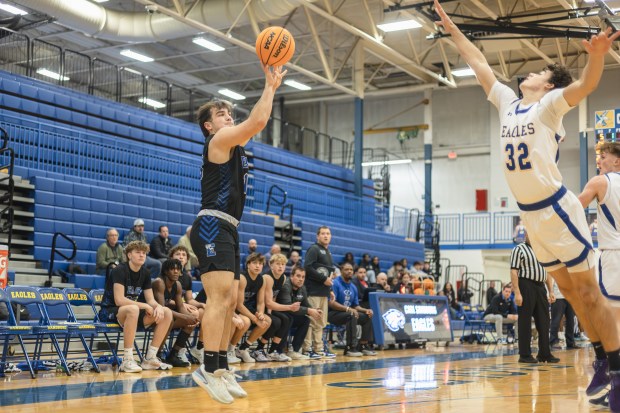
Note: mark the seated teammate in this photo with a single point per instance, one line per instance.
(280, 320)
(294, 292)
(120, 304)
(181, 253)
(168, 292)
(252, 305)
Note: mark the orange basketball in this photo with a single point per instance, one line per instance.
(275, 46)
(428, 284)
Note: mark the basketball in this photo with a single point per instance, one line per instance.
(275, 46)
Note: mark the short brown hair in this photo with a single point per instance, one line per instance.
(176, 248)
(318, 231)
(255, 256)
(204, 112)
(136, 245)
(610, 147)
(560, 76)
(297, 269)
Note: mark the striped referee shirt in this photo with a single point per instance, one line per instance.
(524, 261)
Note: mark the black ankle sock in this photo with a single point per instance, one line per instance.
(181, 339)
(200, 345)
(212, 361)
(273, 347)
(223, 359)
(599, 350)
(260, 345)
(244, 346)
(613, 358)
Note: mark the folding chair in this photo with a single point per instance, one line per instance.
(474, 322)
(80, 298)
(8, 329)
(96, 297)
(29, 296)
(56, 304)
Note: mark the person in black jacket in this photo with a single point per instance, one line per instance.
(319, 268)
(161, 245)
(448, 292)
(293, 291)
(501, 310)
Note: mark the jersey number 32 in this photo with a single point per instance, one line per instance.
(522, 153)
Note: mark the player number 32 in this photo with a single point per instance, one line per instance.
(522, 153)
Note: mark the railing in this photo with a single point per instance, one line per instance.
(287, 233)
(278, 197)
(477, 228)
(7, 162)
(48, 283)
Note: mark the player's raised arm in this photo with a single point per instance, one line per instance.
(240, 134)
(597, 47)
(472, 55)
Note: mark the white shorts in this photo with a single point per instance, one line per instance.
(559, 233)
(608, 279)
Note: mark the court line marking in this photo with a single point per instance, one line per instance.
(401, 403)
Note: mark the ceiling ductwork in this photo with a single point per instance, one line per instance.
(133, 27)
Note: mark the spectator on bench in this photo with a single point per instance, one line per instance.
(395, 270)
(110, 252)
(294, 260)
(161, 244)
(293, 291)
(345, 310)
(382, 285)
(184, 242)
(120, 305)
(137, 234)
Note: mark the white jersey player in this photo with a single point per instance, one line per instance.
(557, 226)
(605, 188)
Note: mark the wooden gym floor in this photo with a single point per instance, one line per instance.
(460, 378)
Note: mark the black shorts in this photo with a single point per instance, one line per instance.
(216, 244)
(108, 315)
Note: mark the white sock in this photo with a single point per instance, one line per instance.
(231, 347)
(151, 352)
(128, 353)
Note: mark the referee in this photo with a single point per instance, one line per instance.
(529, 278)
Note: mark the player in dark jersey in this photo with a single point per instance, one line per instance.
(280, 320)
(126, 283)
(252, 305)
(214, 236)
(181, 253)
(168, 292)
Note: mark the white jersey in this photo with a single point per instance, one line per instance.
(529, 142)
(609, 214)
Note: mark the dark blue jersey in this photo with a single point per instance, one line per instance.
(224, 185)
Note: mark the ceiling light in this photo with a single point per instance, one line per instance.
(130, 70)
(392, 162)
(100, 1)
(136, 56)
(297, 85)
(13, 9)
(463, 72)
(53, 75)
(201, 41)
(154, 103)
(399, 25)
(231, 94)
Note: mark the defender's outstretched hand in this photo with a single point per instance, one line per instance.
(599, 44)
(446, 22)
